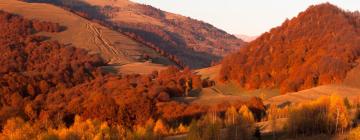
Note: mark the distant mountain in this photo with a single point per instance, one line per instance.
(246, 37)
(319, 46)
(186, 41)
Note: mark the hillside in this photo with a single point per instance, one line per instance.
(352, 94)
(319, 46)
(115, 48)
(33, 66)
(180, 38)
(48, 83)
(77, 73)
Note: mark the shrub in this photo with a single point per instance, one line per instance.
(325, 115)
(160, 128)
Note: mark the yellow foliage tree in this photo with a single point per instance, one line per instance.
(243, 127)
(324, 115)
(338, 113)
(18, 129)
(231, 116)
(246, 114)
(182, 129)
(88, 129)
(160, 128)
(354, 134)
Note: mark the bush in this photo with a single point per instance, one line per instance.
(160, 128)
(325, 115)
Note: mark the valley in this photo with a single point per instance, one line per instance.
(117, 69)
(115, 48)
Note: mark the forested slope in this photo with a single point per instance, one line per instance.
(317, 47)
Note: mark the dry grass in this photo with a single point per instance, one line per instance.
(267, 128)
(226, 93)
(135, 68)
(209, 73)
(353, 94)
(82, 33)
(209, 95)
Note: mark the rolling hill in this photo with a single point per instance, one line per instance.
(114, 47)
(180, 38)
(352, 94)
(318, 47)
(55, 81)
(47, 82)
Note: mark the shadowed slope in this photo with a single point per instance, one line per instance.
(179, 38)
(111, 45)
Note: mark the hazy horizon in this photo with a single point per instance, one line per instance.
(250, 18)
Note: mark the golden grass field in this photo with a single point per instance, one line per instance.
(114, 47)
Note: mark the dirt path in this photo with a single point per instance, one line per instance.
(97, 35)
(217, 91)
(105, 46)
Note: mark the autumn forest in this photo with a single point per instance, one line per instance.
(289, 83)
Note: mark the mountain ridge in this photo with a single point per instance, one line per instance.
(180, 38)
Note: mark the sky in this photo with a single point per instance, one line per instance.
(248, 17)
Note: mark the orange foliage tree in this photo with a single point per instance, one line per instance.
(317, 47)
